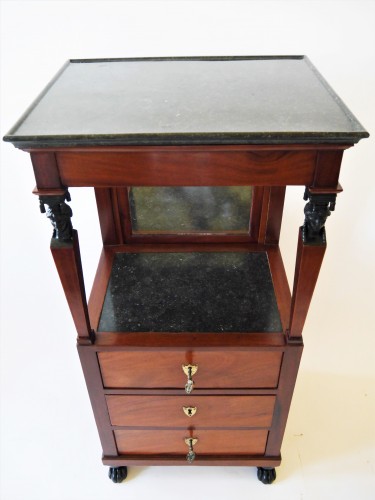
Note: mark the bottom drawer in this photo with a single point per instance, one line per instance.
(218, 442)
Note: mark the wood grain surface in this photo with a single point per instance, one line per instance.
(209, 441)
(211, 411)
(216, 369)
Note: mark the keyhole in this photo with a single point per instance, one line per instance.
(189, 410)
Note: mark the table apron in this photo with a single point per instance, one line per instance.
(195, 168)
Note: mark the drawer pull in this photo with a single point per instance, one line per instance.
(191, 453)
(190, 410)
(189, 371)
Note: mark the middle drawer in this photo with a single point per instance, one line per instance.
(182, 411)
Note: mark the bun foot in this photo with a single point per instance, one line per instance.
(266, 475)
(117, 474)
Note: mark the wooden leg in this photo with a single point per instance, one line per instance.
(67, 259)
(308, 263)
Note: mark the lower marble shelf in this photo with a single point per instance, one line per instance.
(190, 292)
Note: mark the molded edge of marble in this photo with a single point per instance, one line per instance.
(24, 142)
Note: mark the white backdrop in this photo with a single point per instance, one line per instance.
(49, 444)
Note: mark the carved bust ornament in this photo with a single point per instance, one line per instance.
(318, 208)
(315, 219)
(59, 213)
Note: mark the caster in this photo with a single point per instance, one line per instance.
(266, 475)
(117, 474)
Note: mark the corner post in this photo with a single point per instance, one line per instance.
(310, 252)
(66, 254)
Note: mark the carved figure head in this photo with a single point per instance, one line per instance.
(59, 213)
(316, 216)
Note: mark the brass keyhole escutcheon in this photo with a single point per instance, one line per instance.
(190, 410)
(189, 371)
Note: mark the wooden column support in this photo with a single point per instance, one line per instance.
(67, 259)
(310, 252)
(275, 214)
(308, 263)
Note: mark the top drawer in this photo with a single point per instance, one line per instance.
(216, 369)
(190, 166)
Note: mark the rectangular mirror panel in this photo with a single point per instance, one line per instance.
(190, 209)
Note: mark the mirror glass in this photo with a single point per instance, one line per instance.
(190, 209)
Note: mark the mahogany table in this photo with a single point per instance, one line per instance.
(191, 340)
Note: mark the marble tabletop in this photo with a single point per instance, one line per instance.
(183, 101)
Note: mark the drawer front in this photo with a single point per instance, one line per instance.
(194, 166)
(205, 411)
(163, 369)
(219, 442)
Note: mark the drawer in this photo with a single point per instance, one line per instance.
(216, 369)
(196, 166)
(219, 442)
(211, 411)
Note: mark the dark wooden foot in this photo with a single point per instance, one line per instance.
(266, 476)
(118, 474)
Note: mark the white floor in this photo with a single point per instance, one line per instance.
(49, 444)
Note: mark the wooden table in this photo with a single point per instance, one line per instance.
(191, 340)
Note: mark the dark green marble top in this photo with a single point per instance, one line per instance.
(212, 100)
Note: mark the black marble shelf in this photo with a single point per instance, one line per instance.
(190, 292)
(186, 101)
